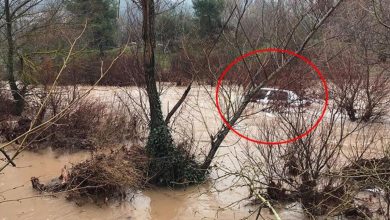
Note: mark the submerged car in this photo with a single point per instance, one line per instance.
(279, 98)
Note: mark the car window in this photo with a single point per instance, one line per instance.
(278, 96)
(260, 95)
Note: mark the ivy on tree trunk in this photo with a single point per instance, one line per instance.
(169, 164)
(160, 142)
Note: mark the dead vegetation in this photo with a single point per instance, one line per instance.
(102, 177)
(373, 175)
(369, 171)
(77, 128)
(113, 174)
(318, 171)
(6, 104)
(91, 124)
(88, 125)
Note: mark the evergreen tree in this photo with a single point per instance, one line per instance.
(170, 27)
(209, 16)
(101, 16)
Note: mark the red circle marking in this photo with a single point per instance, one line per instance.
(306, 60)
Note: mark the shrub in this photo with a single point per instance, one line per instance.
(77, 128)
(91, 124)
(101, 177)
(6, 105)
(127, 70)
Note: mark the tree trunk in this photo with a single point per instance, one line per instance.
(223, 132)
(149, 64)
(368, 111)
(160, 143)
(16, 94)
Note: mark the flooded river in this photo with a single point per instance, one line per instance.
(216, 199)
(19, 201)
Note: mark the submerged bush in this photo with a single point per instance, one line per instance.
(76, 129)
(103, 176)
(87, 125)
(91, 124)
(6, 105)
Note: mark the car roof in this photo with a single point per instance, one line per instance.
(275, 89)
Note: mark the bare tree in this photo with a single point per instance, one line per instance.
(160, 140)
(217, 139)
(360, 74)
(309, 170)
(381, 12)
(14, 12)
(169, 163)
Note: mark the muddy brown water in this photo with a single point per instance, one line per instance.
(212, 200)
(19, 201)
